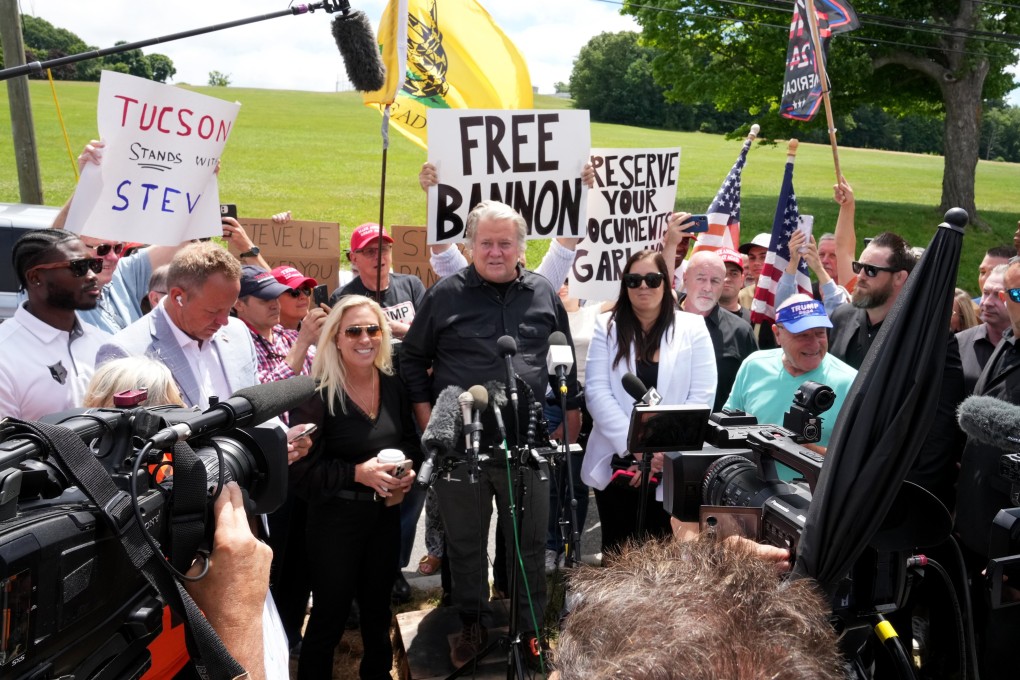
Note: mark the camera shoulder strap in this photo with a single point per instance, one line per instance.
(211, 659)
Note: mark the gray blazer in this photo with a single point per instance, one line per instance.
(152, 336)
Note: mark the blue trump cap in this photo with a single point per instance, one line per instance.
(800, 313)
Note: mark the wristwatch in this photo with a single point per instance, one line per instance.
(255, 250)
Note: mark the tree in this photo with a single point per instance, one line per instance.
(162, 67)
(927, 56)
(46, 41)
(561, 88)
(217, 79)
(137, 63)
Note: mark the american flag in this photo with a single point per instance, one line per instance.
(724, 213)
(763, 309)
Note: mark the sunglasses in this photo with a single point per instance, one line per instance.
(304, 290)
(373, 331)
(1014, 294)
(103, 249)
(653, 280)
(79, 268)
(871, 270)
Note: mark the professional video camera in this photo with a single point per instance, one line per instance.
(762, 490)
(75, 602)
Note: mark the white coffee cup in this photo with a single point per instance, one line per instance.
(390, 457)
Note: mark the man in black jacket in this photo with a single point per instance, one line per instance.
(455, 334)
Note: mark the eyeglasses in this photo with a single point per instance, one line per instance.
(103, 249)
(871, 270)
(303, 290)
(1014, 294)
(652, 279)
(374, 252)
(79, 268)
(355, 331)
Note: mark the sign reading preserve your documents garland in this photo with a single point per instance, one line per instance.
(156, 183)
(530, 160)
(628, 209)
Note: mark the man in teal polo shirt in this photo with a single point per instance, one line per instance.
(768, 379)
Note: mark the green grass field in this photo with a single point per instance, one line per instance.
(319, 155)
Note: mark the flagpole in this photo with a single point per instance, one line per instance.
(823, 78)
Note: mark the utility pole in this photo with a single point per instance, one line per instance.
(26, 154)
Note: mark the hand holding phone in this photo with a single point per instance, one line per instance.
(297, 434)
(700, 224)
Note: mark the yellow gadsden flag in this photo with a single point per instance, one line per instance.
(457, 58)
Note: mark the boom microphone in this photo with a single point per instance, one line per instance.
(249, 406)
(359, 50)
(990, 421)
(441, 433)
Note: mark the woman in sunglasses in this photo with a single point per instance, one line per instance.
(353, 535)
(670, 350)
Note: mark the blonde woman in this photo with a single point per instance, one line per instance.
(353, 537)
(129, 373)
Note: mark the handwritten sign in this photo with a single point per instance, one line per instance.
(411, 253)
(313, 248)
(530, 160)
(628, 209)
(156, 183)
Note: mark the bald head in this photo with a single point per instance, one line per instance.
(704, 281)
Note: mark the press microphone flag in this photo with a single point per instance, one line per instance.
(559, 359)
(635, 387)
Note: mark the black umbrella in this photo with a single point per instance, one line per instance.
(890, 407)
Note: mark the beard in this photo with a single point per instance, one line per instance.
(61, 298)
(874, 297)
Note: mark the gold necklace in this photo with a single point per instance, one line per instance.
(367, 406)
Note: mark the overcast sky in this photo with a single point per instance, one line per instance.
(298, 52)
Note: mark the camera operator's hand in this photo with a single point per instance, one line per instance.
(233, 592)
(780, 557)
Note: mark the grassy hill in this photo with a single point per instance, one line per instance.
(318, 154)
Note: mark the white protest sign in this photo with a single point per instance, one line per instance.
(156, 183)
(628, 209)
(530, 160)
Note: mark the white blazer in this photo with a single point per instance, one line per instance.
(687, 375)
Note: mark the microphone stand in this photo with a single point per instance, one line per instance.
(330, 6)
(644, 467)
(568, 510)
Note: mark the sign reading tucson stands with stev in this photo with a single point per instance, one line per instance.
(156, 183)
(530, 160)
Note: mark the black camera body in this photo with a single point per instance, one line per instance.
(763, 492)
(71, 602)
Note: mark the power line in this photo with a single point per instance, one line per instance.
(845, 36)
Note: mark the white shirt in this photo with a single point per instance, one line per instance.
(205, 362)
(43, 369)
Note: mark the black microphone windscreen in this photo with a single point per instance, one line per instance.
(272, 399)
(634, 386)
(444, 426)
(507, 346)
(481, 397)
(990, 421)
(557, 338)
(360, 51)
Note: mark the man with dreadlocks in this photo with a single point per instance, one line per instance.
(47, 356)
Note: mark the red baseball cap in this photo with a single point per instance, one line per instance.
(730, 256)
(366, 233)
(292, 278)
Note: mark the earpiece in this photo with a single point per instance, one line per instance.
(179, 303)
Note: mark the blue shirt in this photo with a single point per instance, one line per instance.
(120, 303)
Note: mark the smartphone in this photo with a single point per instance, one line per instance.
(228, 210)
(700, 224)
(400, 469)
(297, 434)
(320, 295)
(805, 225)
